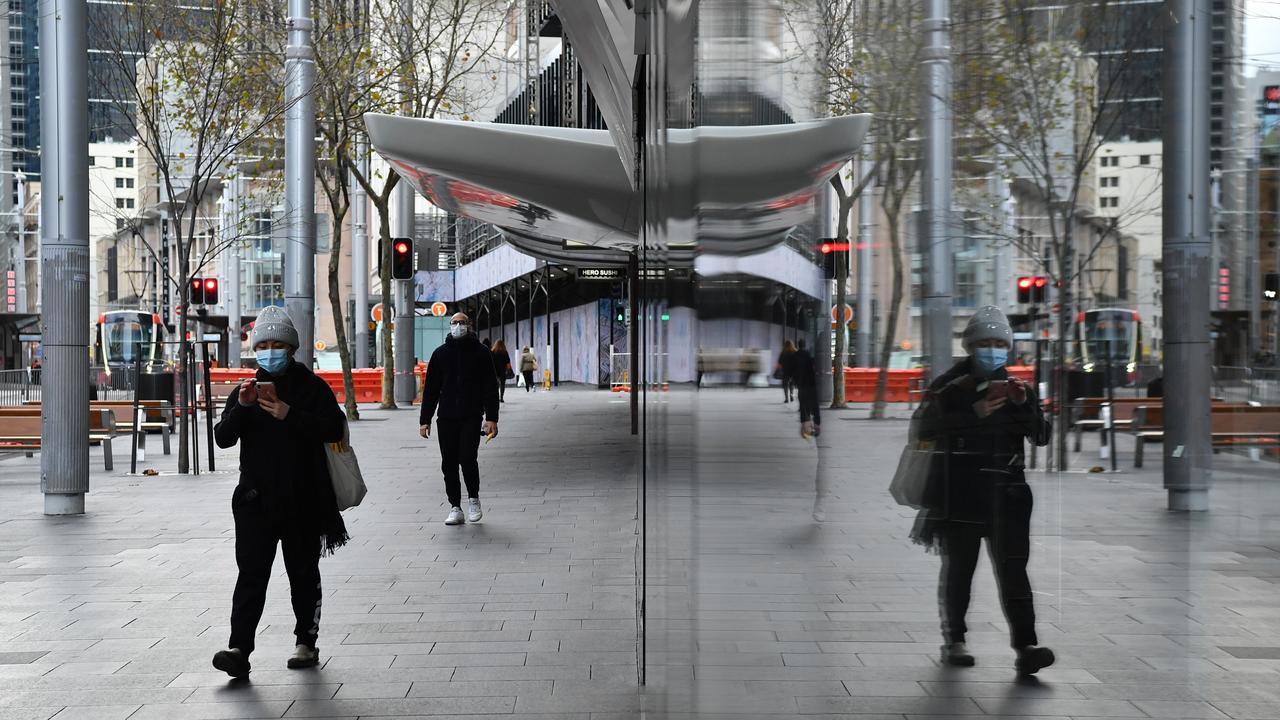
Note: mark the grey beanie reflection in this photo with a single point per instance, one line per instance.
(989, 323)
(274, 323)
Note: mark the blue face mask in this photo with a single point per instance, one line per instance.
(273, 361)
(990, 359)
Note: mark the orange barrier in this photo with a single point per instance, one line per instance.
(860, 383)
(366, 383)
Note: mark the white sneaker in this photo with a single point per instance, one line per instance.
(474, 513)
(304, 657)
(455, 517)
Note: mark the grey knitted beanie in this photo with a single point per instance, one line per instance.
(988, 323)
(274, 323)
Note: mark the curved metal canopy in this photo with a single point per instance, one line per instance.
(744, 188)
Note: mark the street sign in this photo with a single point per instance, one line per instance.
(596, 273)
(848, 313)
(375, 313)
(439, 309)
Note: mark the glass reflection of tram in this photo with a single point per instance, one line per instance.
(122, 338)
(1109, 337)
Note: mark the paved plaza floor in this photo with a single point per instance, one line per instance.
(753, 609)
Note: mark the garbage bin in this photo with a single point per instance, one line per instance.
(156, 386)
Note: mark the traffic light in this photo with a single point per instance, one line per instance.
(197, 291)
(1040, 290)
(1271, 286)
(1024, 289)
(831, 254)
(211, 291)
(402, 259)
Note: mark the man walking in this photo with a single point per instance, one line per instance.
(461, 384)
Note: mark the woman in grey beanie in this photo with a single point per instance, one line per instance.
(282, 418)
(978, 421)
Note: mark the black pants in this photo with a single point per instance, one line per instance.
(502, 388)
(807, 395)
(1008, 547)
(459, 446)
(256, 538)
(788, 388)
(528, 380)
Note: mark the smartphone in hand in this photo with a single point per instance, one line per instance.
(267, 391)
(998, 388)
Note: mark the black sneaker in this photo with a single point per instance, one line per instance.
(1032, 659)
(232, 662)
(956, 655)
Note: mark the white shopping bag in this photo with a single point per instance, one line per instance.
(344, 470)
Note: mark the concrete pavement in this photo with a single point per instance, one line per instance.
(753, 608)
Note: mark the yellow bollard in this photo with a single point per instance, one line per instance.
(546, 379)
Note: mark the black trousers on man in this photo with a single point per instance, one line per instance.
(256, 538)
(807, 396)
(459, 448)
(1009, 547)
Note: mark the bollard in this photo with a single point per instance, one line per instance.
(1104, 447)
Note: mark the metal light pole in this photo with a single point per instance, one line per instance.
(360, 255)
(936, 185)
(64, 255)
(405, 388)
(232, 228)
(866, 207)
(300, 177)
(1187, 254)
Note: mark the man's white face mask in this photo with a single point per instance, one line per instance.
(457, 329)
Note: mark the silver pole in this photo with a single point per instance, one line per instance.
(404, 384)
(936, 185)
(300, 178)
(360, 256)
(235, 221)
(64, 255)
(1186, 256)
(866, 223)
(21, 212)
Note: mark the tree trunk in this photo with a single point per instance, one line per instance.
(184, 397)
(895, 306)
(1067, 275)
(838, 399)
(339, 325)
(384, 275)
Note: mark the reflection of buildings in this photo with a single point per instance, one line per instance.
(1129, 191)
(541, 302)
(1263, 112)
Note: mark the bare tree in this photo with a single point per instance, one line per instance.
(868, 62)
(1055, 81)
(436, 56)
(201, 84)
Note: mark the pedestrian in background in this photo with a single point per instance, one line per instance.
(461, 390)
(502, 368)
(805, 377)
(528, 364)
(979, 419)
(281, 418)
(784, 370)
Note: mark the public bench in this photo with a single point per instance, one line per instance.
(20, 431)
(1230, 426)
(158, 415)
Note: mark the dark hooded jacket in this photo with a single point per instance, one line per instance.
(282, 462)
(977, 461)
(461, 382)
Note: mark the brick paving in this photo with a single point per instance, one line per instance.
(754, 609)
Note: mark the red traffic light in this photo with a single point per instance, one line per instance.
(1041, 282)
(402, 248)
(1271, 93)
(1024, 282)
(211, 284)
(830, 247)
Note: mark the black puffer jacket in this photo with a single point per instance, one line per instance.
(460, 382)
(974, 457)
(284, 460)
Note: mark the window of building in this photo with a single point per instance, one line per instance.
(1144, 159)
(92, 161)
(120, 203)
(119, 162)
(119, 182)
(128, 162)
(129, 203)
(121, 223)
